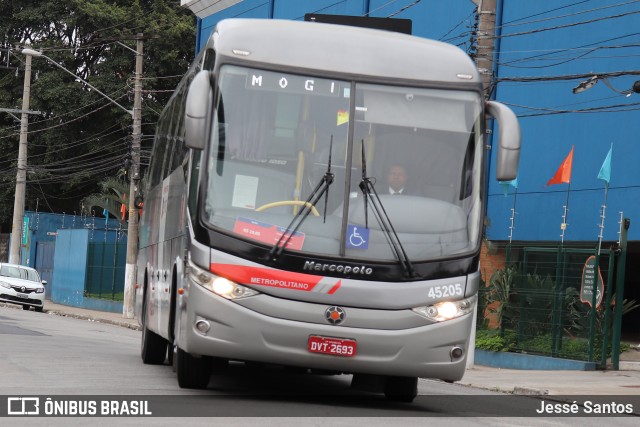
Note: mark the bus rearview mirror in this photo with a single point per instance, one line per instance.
(197, 109)
(508, 156)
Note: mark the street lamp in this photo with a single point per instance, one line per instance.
(588, 84)
(30, 52)
(585, 85)
(132, 229)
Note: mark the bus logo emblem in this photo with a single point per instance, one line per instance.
(334, 315)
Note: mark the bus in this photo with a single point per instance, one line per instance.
(268, 235)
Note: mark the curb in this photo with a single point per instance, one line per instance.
(95, 319)
(529, 362)
(528, 391)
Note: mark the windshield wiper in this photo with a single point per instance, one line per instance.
(370, 195)
(322, 189)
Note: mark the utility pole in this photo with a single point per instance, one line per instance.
(134, 176)
(484, 62)
(486, 41)
(21, 175)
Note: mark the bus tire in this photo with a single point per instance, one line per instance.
(192, 372)
(153, 348)
(401, 389)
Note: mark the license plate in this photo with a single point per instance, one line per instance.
(334, 346)
(20, 295)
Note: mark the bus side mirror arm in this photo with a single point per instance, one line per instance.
(199, 99)
(508, 140)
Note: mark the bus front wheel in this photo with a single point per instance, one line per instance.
(193, 372)
(153, 348)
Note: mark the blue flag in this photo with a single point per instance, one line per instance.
(506, 184)
(605, 169)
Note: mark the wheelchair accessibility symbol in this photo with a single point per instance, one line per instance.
(357, 237)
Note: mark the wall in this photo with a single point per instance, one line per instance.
(70, 269)
(70, 265)
(547, 49)
(43, 228)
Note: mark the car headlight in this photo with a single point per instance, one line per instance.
(39, 290)
(5, 285)
(219, 285)
(446, 310)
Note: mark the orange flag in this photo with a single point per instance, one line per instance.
(123, 208)
(563, 174)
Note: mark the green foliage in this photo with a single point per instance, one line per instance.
(499, 294)
(490, 340)
(535, 300)
(82, 138)
(578, 314)
(523, 307)
(112, 196)
(118, 296)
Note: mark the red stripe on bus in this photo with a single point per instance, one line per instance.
(335, 288)
(269, 277)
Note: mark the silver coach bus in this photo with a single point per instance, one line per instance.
(269, 234)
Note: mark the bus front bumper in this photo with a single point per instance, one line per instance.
(238, 333)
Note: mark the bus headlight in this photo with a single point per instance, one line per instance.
(446, 310)
(219, 285)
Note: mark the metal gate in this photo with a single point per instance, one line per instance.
(44, 264)
(558, 300)
(105, 270)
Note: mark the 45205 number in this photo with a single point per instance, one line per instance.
(444, 291)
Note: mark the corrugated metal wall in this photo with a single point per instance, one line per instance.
(44, 264)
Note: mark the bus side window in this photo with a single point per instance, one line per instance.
(209, 60)
(194, 180)
(158, 155)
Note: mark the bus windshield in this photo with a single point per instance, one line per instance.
(277, 136)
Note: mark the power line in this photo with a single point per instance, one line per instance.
(550, 111)
(568, 76)
(573, 24)
(380, 7)
(550, 52)
(62, 124)
(511, 24)
(569, 59)
(404, 8)
(457, 25)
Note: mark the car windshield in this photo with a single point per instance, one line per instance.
(19, 273)
(276, 135)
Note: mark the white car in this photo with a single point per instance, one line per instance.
(21, 285)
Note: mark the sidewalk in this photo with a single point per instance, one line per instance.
(559, 383)
(625, 381)
(97, 316)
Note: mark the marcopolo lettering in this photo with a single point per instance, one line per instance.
(337, 268)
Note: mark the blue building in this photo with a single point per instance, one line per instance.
(567, 69)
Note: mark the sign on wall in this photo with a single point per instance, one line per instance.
(589, 282)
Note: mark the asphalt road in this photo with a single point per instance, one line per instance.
(72, 359)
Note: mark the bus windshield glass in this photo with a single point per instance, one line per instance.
(392, 168)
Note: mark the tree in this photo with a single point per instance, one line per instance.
(82, 139)
(112, 197)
